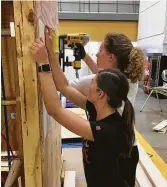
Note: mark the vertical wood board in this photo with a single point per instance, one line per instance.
(25, 36)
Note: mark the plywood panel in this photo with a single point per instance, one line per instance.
(52, 154)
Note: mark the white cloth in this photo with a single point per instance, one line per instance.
(82, 85)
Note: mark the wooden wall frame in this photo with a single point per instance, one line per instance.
(25, 28)
(38, 136)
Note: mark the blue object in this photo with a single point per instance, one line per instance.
(71, 145)
(69, 104)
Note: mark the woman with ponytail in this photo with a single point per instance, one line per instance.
(107, 136)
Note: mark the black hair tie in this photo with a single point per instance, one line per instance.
(126, 99)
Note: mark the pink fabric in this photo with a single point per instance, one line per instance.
(47, 12)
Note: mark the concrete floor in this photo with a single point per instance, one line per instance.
(145, 121)
(149, 118)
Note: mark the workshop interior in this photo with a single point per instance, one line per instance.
(36, 151)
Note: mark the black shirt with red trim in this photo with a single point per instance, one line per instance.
(101, 156)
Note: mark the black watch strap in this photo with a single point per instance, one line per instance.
(45, 68)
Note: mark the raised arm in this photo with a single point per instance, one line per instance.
(64, 117)
(88, 60)
(39, 52)
(63, 86)
(91, 64)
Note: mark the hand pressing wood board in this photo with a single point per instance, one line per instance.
(65, 133)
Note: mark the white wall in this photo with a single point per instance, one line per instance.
(165, 37)
(151, 27)
(144, 4)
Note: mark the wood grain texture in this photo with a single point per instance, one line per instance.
(9, 64)
(13, 173)
(52, 164)
(25, 36)
(9, 102)
(63, 171)
(151, 171)
(6, 14)
(8, 59)
(52, 154)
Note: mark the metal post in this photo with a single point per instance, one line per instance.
(117, 6)
(60, 6)
(80, 6)
(89, 6)
(146, 100)
(159, 101)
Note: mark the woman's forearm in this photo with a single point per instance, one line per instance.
(62, 84)
(91, 64)
(49, 92)
(58, 76)
(54, 108)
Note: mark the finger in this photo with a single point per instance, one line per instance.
(34, 48)
(46, 30)
(46, 35)
(38, 41)
(49, 30)
(41, 39)
(39, 44)
(32, 51)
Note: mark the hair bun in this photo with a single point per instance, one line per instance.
(136, 64)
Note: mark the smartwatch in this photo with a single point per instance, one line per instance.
(45, 68)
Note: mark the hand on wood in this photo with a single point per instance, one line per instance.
(39, 52)
(52, 40)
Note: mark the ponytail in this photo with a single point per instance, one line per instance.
(135, 68)
(128, 117)
(115, 85)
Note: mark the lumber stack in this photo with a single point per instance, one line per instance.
(148, 174)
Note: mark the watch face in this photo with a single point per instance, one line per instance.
(45, 68)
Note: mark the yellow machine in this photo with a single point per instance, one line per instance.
(71, 41)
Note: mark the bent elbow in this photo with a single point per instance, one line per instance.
(62, 88)
(50, 113)
(54, 113)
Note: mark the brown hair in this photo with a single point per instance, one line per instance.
(130, 60)
(116, 86)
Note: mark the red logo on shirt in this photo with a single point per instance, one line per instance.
(85, 151)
